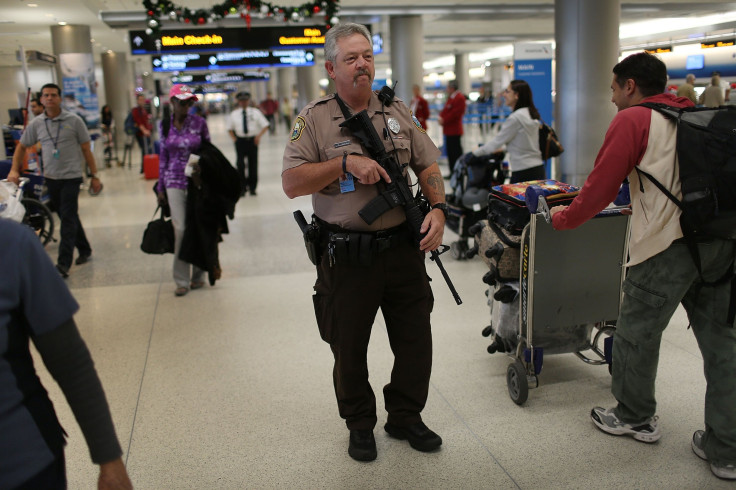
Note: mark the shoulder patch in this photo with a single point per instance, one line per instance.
(299, 126)
(417, 123)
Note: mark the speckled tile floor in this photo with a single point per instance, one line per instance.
(230, 386)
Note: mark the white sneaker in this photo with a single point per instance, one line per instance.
(607, 421)
(727, 472)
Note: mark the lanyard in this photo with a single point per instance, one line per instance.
(55, 140)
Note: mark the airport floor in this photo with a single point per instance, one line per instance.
(230, 387)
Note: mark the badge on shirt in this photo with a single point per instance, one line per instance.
(299, 126)
(417, 123)
(347, 183)
(394, 125)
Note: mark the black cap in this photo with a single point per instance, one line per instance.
(243, 96)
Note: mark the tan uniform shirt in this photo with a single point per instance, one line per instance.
(317, 137)
(687, 90)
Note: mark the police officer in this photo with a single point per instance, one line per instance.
(328, 162)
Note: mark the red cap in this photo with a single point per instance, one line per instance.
(181, 92)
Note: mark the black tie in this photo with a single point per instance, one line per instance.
(245, 122)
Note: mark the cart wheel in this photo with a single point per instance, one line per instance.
(517, 383)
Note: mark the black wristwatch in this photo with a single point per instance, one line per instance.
(442, 206)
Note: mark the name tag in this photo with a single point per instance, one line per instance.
(342, 143)
(347, 184)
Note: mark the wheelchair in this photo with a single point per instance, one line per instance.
(38, 216)
(471, 181)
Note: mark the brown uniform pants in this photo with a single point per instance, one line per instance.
(346, 301)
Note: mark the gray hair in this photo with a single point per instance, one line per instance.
(690, 77)
(340, 31)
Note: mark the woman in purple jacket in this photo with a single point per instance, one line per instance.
(181, 137)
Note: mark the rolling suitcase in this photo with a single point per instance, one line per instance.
(150, 162)
(150, 166)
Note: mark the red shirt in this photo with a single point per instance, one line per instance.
(269, 107)
(421, 110)
(452, 114)
(623, 148)
(141, 117)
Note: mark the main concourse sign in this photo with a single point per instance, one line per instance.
(198, 40)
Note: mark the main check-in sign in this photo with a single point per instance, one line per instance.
(226, 39)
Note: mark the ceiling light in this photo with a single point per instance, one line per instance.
(32, 5)
(62, 23)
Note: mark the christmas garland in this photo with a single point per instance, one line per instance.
(325, 10)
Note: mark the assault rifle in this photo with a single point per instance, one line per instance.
(396, 193)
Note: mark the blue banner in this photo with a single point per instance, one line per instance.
(538, 74)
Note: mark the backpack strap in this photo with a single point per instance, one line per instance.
(692, 245)
(732, 303)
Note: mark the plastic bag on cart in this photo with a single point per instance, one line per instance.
(500, 250)
(504, 303)
(10, 205)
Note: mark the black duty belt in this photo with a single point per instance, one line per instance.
(359, 247)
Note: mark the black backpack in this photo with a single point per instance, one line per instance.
(706, 151)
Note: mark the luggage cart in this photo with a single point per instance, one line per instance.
(570, 293)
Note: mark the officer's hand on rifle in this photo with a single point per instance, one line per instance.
(365, 169)
(434, 226)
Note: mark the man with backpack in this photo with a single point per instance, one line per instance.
(143, 126)
(662, 273)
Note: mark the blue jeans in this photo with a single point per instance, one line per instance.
(64, 195)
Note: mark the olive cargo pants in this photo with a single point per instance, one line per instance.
(652, 291)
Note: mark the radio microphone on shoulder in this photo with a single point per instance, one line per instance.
(386, 95)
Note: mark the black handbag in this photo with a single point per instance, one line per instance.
(159, 235)
(549, 144)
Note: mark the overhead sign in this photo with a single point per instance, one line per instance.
(37, 57)
(232, 60)
(664, 49)
(719, 44)
(377, 43)
(197, 40)
(254, 76)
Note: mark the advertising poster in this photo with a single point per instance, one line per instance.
(79, 88)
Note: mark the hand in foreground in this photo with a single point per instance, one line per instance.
(96, 185)
(14, 177)
(366, 170)
(556, 209)
(161, 197)
(113, 476)
(434, 226)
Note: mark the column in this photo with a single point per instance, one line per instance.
(76, 71)
(285, 83)
(461, 73)
(271, 84)
(500, 78)
(286, 78)
(117, 89)
(407, 46)
(586, 35)
(308, 84)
